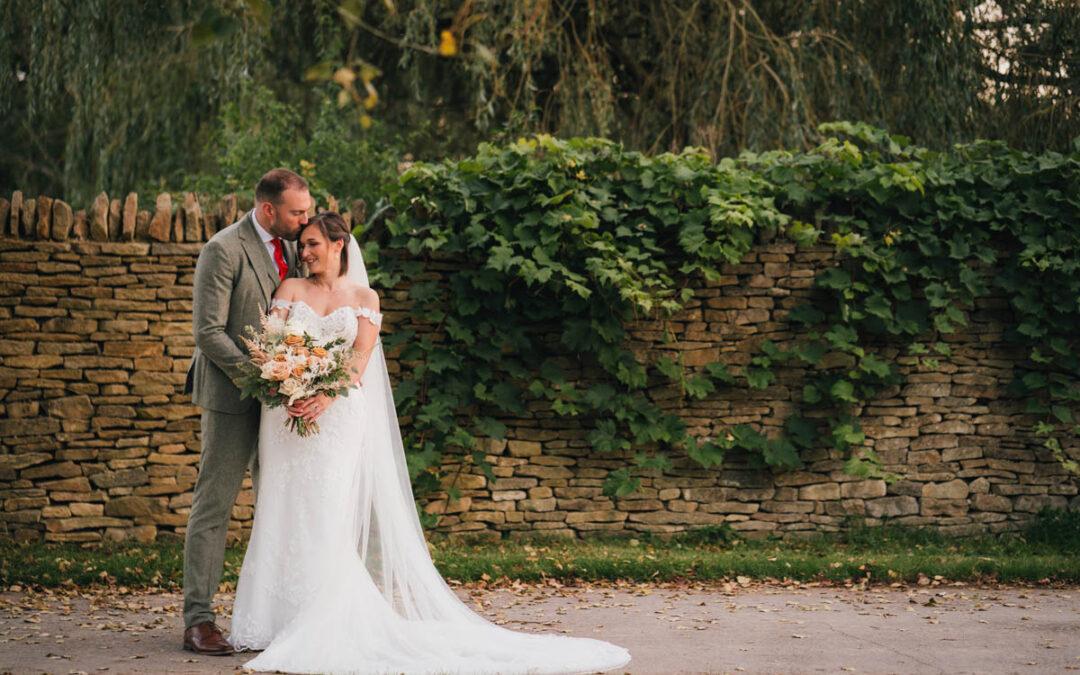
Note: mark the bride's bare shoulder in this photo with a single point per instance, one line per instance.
(291, 289)
(364, 296)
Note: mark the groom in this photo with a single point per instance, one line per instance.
(235, 278)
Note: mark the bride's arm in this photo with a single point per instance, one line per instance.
(369, 320)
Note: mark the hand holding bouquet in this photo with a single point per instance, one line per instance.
(287, 364)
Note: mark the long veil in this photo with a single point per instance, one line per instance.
(433, 626)
(389, 536)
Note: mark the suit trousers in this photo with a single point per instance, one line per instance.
(229, 446)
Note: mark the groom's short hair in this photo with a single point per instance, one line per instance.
(276, 181)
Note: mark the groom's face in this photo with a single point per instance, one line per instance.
(290, 213)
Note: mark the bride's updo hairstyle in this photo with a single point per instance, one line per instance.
(333, 228)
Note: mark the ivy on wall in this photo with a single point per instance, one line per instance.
(922, 235)
(547, 248)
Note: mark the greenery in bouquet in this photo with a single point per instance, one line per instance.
(287, 364)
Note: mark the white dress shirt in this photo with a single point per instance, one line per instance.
(266, 237)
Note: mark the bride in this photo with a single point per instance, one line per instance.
(337, 577)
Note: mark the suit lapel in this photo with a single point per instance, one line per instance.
(291, 259)
(259, 257)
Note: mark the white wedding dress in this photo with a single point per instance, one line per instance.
(337, 577)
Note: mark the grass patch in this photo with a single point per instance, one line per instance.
(1045, 551)
(880, 555)
(159, 565)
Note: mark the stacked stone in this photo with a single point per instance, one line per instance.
(98, 442)
(965, 460)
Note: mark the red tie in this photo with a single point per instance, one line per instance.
(279, 258)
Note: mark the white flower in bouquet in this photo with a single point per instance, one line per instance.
(295, 327)
(275, 325)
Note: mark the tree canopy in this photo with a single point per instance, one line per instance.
(104, 95)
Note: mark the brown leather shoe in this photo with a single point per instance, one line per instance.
(206, 638)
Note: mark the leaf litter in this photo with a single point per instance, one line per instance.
(542, 606)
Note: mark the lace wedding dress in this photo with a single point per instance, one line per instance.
(337, 577)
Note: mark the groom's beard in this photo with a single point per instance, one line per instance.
(277, 229)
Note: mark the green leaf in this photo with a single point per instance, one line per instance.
(1035, 407)
(669, 368)
(879, 306)
(490, 427)
(806, 315)
(1031, 328)
(863, 466)
(875, 366)
(847, 435)
(508, 397)
(1062, 414)
(956, 316)
(937, 294)
(943, 349)
(657, 461)
(802, 432)
(619, 484)
(604, 438)
(942, 324)
(842, 390)
(720, 372)
(1034, 380)
(748, 438)
(699, 387)
(811, 352)
(973, 281)
(841, 336)
(552, 371)
(833, 278)
(707, 454)
(758, 378)
(599, 396)
(781, 453)
(1037, 356)
(479, 459)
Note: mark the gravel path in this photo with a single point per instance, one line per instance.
(704, 628)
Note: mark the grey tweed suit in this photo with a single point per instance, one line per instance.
(235, 279)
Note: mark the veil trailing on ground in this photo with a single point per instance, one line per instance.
(389, 536)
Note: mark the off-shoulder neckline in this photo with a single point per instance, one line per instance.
(359, 311)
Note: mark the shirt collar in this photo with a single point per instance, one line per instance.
(263, 233)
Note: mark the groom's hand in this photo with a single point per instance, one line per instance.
(311, 408)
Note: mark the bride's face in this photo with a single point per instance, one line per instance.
(319, 253)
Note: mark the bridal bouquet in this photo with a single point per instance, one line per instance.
(288, 364)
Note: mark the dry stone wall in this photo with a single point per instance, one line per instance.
(98, 442)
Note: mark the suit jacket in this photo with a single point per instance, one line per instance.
(235, 279)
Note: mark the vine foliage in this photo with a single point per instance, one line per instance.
(545, 249)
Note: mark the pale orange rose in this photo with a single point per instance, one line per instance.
(320, 352)
(298, 371)
(294, 340)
